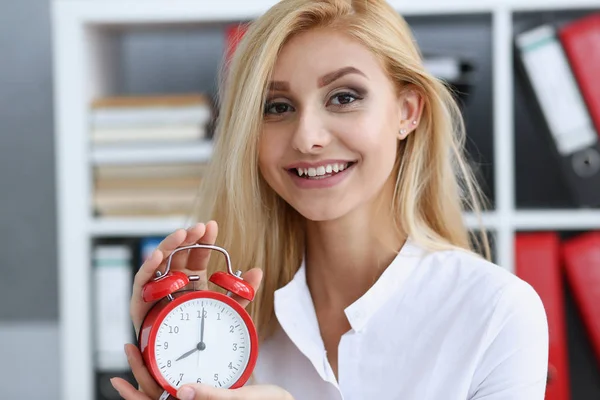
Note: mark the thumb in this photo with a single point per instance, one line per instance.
(201, 391)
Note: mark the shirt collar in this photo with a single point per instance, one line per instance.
(295, 310)
(389, 285)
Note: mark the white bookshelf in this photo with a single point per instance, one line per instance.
(84, 68)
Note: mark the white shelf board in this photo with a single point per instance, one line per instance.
(585, 219)
(489, 220)
(123, 12)
(152, 154)
(144, 226)
(131, 226)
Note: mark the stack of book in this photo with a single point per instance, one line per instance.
(148, 153)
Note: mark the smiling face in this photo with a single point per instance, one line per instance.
(331, 125)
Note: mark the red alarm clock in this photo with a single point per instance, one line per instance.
(198, 336)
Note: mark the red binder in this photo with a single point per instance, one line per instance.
(581, 41)
(538, 263)
(582, 268)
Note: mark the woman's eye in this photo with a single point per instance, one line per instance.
(277, 108)
(341, 99)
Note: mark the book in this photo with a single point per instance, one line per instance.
(112, 284)
(140, 134)
(150, 111)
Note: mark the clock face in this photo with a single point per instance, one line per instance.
(202, 341)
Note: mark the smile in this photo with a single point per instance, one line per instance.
(320, 176)
(323, 171)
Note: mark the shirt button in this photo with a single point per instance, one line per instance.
(358, 314)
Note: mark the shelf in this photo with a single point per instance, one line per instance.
(557, 220)
(146, 226)
(488, 219)
(121, 12)
(155, 154)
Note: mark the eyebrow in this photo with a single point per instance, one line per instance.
(323, 81)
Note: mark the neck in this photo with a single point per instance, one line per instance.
(345, 257)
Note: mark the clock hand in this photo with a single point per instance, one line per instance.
(201, 345)
(184, 355)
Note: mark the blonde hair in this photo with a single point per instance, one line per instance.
(256, 226)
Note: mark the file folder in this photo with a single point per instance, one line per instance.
(563, 114)
(538, 263)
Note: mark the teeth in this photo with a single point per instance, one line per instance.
(322, 170)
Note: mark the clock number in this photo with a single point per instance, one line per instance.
(199, 380)
(180, 377)
(185, 316)
(230, 366)
(166, 345)
(205, 314)
(235, 347)
(218, 316)
(173, 329)
(231, 329)
(169, 363)
(216, 377)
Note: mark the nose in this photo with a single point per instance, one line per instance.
(311, 135)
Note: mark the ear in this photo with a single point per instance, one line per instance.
(410, 105)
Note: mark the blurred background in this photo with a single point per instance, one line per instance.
(106, 116)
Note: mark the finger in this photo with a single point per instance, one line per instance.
(254, 278)
(198, 259)
(139, 308)
(256, 392)
(127, 391)
(146, 271)
(147, 384)
(205, 392)
(179, 260)
(170, 244)
(165, 247)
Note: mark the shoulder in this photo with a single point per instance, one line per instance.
(476, 286)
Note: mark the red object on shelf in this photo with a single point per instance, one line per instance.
(582, 268)
(581, 42)
(233, 35)
(538, 263)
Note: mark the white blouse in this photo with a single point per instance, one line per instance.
(442, 326)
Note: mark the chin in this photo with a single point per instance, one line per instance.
(321, 213)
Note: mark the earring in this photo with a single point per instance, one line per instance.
(402, 131)
(414, 122)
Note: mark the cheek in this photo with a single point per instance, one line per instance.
(270, 150)
(373, 137)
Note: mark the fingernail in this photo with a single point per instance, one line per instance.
(185, 393)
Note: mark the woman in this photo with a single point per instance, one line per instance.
(338, 172)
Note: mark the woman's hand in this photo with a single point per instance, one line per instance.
(190, 262)
(149, 389)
